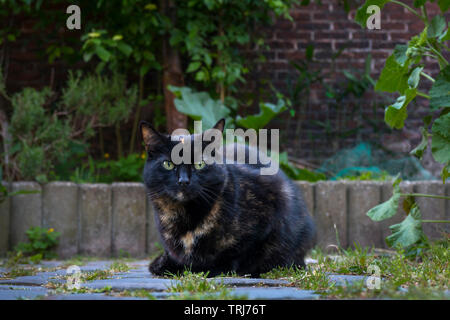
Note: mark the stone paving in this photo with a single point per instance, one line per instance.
(120, 285)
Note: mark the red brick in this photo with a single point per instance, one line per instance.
(331, 35)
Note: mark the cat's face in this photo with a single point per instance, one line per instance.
(182, 182)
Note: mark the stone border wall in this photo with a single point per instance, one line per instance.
(116, 219)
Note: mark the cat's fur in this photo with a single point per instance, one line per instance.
(228, 219)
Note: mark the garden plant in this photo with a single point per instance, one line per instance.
(404, 74)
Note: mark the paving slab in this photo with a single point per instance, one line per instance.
(21, 292)
(38, 279)
(275, 293)
(245, 282)
(342, 279)
(90, 296)
(150, 284)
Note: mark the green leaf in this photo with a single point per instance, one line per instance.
(440, 91)
(193, 66)
(445, 36)
(103, 53)
(389, 208)
(445, 173)
(440, 142)
(386, 209)
(420, 149)
(150, 7)
(309, 52)
(400, 54)
(144, 69)
(297, 173)
(393, 77)
(414, 78)
(267, 112)
(199, 106)
(436, 27)
(362, 15)
(124, 48)
(408, 232)
(396, 114)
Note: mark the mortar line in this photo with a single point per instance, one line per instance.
(111, 213)
(147, 224)
(79, 218)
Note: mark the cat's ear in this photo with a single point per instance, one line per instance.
(220, 125)
(149, 135)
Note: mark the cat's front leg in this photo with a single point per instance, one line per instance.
(163, 264)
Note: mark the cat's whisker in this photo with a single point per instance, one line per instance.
(214, 196)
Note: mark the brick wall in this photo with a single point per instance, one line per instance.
(320, 127)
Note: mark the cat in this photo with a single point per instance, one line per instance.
(221, 218)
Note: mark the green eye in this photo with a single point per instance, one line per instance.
(168, 165)
(199, 166)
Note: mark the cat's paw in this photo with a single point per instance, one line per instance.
(158, 266)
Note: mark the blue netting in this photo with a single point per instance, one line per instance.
(365, 158)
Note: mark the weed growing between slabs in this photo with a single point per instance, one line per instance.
(197, 286)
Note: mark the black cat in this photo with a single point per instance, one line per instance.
(223, 217)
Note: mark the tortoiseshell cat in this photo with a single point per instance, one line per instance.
(223, 217)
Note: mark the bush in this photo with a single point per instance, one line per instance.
(48, 130)
(41, 243)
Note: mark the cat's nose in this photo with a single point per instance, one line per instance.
(183, 181)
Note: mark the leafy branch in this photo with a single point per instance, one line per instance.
(402, 74)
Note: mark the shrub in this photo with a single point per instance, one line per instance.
(48, 130)
(41, 244)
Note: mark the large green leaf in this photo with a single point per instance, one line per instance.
(440, 91)
(267, 112)
(297, 173)
(199, 106)
(437, 27)
(408, 232)
(440, 142)
(389, 208)
(393, 77)
(362, 15)
(396, 114)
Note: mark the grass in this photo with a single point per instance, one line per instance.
(197, 286)
(119, 266)
(426, 277)
(20, 272)
(142, 293)
(307, 279)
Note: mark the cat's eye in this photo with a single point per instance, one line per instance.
(199, 166)
(168, 165)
